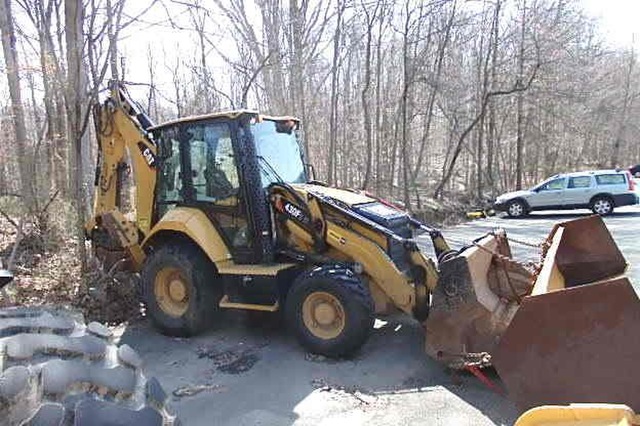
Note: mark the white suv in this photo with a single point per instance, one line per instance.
(600, 191)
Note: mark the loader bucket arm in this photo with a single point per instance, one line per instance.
(575, 338)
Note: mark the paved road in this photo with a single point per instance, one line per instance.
(247, 374)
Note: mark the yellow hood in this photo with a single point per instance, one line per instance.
(348, 197)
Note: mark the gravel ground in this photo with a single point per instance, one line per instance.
(251, 372)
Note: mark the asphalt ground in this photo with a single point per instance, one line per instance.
(249, 371)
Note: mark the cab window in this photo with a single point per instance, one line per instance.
(579, 182)
(612, 179)
(553, 185)
(170, 188)
(214, 176)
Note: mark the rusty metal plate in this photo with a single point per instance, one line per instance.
(588, 252)
(581, 344)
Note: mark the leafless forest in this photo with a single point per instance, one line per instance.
(413, 100)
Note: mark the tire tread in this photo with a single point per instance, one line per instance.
(349, 286)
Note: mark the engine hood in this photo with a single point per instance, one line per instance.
(349, 198)
(370, 208)
(515, 194)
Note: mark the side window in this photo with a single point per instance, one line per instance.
(554, 185)
(579, 182)
(612, 179)
(170, 177)
(214, 175)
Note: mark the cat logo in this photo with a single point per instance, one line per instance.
(148, 155)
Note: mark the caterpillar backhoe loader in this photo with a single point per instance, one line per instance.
(226, 216)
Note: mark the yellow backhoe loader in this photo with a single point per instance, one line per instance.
(226, 216)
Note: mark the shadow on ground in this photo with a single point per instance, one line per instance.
(250, 371)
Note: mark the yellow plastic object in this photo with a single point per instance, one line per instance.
(579, 414)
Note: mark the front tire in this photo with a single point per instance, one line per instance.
(330, 311)
(602, 206)
(516, 209)
(180, 289)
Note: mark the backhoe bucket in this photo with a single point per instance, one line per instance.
(576, 337)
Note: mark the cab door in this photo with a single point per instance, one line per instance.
(579, 191)
(212, 183)
(199, 169)
(550, 194)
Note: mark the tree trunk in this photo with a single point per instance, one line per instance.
(520, 103)
(622, 124)
(364, 95)
(75, 89)
(333, 119)
(491, 139)
(25, 162)
(404, 100)
(379, 139)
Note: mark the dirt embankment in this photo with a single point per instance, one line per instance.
(450, 210)
(48, 272)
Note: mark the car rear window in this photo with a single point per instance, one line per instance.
(580, 182)
(613, 179)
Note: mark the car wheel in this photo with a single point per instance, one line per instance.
(516, 208)
(602, 206)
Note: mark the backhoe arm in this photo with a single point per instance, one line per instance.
(123, 140)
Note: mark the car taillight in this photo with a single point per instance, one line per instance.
(632, 182)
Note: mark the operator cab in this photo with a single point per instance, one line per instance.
(222, 163)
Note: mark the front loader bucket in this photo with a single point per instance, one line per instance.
(477, 295)
(576, 337)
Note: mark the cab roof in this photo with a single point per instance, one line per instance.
(231, 115)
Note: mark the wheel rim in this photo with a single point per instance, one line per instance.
(323, 315)
(602, 206)
(515, 209)
(171, 291)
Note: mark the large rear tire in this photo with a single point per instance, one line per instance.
(56, 371)
(330, 311)
(180, 289)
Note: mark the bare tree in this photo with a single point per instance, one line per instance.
(25, 162)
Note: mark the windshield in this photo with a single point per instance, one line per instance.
(280, 151)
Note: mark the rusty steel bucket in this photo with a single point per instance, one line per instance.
(566, 332)
(576, 337)
(478, 293)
